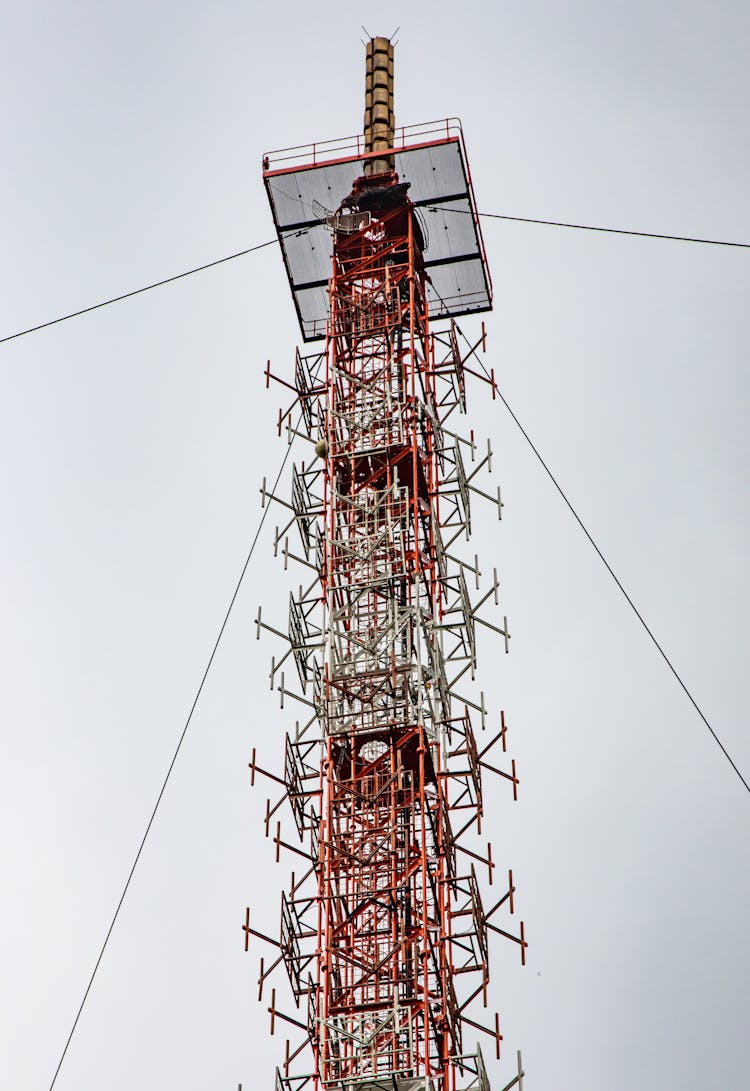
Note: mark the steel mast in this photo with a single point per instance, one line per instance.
(384, 935)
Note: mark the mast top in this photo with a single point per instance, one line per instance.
(379, 117)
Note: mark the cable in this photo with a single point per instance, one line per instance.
(169, 770)
(609, 568)
(137, 291)
(429, 208)
(588, 227)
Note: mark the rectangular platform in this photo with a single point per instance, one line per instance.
(307, 185)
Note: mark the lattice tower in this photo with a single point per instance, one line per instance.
(384, 777)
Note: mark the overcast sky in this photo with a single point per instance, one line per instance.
(132, 446)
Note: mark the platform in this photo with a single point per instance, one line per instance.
(306, 185)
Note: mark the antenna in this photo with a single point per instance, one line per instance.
(387, 920)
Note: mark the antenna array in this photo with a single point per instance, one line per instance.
(384, 935)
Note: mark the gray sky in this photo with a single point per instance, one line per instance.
(133, 441)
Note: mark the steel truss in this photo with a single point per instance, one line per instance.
(384, 938)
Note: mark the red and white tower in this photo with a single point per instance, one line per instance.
(384, 934)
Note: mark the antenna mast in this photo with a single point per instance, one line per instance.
(384, 935)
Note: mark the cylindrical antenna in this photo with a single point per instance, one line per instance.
(379, 118)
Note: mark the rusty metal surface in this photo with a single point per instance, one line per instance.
(379, 117)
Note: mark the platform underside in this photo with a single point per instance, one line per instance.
(304, 197)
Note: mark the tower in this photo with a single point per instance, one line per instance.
(384, 934)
